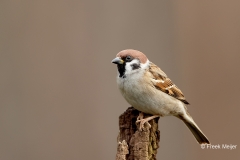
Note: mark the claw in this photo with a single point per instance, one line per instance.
(142, 121)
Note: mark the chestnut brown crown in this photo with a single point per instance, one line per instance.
(133, 53)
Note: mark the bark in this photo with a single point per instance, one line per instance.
(134, 144)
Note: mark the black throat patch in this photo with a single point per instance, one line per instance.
(121, 69)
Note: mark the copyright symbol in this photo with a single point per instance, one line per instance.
(203, 146)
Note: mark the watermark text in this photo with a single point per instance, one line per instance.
(219, 146)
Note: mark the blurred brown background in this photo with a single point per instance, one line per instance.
(58, 96)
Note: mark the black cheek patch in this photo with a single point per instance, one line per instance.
(135, 66)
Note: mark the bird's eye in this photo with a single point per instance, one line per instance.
(128, 58)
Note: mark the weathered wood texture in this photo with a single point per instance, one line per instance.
(134, 144)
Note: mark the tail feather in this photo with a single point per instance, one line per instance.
(198, 134)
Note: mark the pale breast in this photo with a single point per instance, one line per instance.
(145, 97)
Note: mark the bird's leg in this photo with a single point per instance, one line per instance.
(143, 121)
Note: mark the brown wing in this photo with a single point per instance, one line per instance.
(163, 83)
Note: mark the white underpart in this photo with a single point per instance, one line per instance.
(139, 92)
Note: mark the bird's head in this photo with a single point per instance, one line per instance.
(130, 61)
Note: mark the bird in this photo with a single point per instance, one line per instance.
(149, 90)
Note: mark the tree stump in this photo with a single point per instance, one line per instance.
(134, 144)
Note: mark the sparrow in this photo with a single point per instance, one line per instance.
(148, 89)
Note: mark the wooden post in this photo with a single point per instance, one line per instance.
(134, 144)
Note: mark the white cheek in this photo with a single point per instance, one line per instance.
(129, 69)
(145, 65)
(128, 66)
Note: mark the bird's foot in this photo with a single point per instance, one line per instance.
(142, 121)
